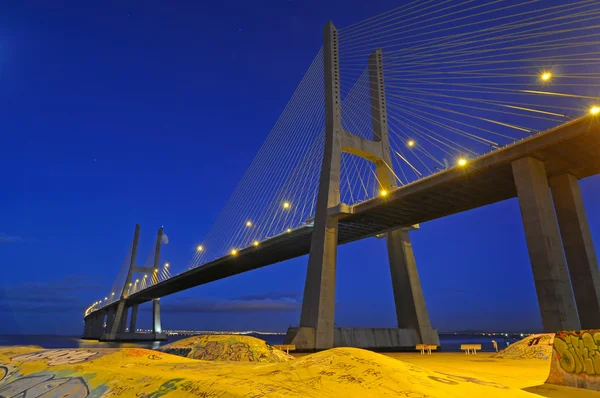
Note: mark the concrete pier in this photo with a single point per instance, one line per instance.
(316, 330)
(408, 294)
(555, 296)
(579, 248)
(133, 320)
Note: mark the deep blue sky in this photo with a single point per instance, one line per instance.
(116, 113)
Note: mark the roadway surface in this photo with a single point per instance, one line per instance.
(570, 148)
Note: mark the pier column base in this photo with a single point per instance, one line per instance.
(553, 287)
(382, 339)
(411, 311)
(579, 248)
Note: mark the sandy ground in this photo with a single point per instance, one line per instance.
(524, 374)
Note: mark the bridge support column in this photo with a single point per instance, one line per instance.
(555, 296)
(98, 328)
(411, 311)
(318, 305)
(408, 294)
(133, 319)
(156, 326)
(110, 319)
(123, 323)
(579, 248)
(87, 328)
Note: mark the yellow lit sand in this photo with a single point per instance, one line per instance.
(340, 372)
(527, 375)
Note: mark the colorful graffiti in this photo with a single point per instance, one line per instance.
(576, 359)
(45, 386)
(58, 357)
(536, 346)
(230, 348)
(26, 372)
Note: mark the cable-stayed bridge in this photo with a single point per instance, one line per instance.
(421, 112)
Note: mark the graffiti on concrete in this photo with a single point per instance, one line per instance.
(537, 346)
(182, 352)
(579, 352)
(45, 386)
(215, 348)
(58, 357)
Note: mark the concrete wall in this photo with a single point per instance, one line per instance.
(368, 338)
(576, 359)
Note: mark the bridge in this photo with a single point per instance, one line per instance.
(464, 114)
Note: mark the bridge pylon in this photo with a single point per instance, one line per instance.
(115, 326)
(316, 330)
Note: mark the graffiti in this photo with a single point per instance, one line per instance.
(45, 386)
(182, 352)
(578, 352)
(57, 357)
(469, 380)
(165, 388)
(576, 359)
(538, 346)
(217, 348)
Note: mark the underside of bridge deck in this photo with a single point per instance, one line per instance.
(568, 149)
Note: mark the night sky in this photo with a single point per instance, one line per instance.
(116, 112)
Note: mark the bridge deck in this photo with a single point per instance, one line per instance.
(570, 148)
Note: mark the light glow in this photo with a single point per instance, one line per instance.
(256, 243)
(594, 110)
(383, 192)
(462, 161)
(166, 265)
(234, 252)
(286, 205)
(199, 248)
(248, 223)
(410, 143)
(546, 76)
(289, 230)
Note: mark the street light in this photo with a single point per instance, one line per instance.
(546, 76)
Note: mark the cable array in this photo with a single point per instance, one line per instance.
(461, 78)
